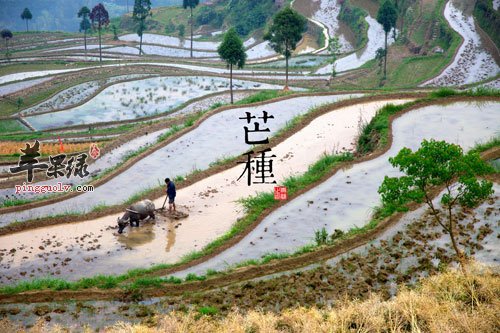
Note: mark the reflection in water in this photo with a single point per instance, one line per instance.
(135, 237)
(171, 233)
(138, 236)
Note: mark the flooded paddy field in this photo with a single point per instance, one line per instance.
(140, 98)
(212, 203)
(217, 137)
(349, 198)
(473, 62)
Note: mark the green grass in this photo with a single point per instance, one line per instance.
(479, 148)
(11, 125)
(254, 207)
(208, 311)
(262, 96)
(13, 202)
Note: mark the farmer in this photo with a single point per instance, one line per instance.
(170, 194)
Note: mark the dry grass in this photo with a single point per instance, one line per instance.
(448, 302)
(12, 147)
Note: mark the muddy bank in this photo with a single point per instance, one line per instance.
(211, 203)
(473, 62)
(199, 147)
(348, 199)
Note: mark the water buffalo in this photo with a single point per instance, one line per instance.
(136, 212)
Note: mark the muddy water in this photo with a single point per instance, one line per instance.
(473, 62)
(212, 204)
(25, 75)
(108, 160)
(15, 87)
(219, 136)
(141, 98)
(348, 198)
(328, 14)
(77, 94)
(103, 313)
(376, 39)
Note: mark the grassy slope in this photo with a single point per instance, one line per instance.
(405, 70)
(447, 302)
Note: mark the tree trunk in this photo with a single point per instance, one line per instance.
(460, 255)
(231, 81)
(26, 25)
(385, 58)
(85, 40)
(100, 51)
(140, 46)
(286, 80)
(191, 31)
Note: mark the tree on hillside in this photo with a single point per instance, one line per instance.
(387, 16)
(334, 51)
(84, 24)
(232, 51)
(100, 18)
(434, 164)
(26, 15)
(285, 32)
(182, 31)
(191, 4)
(6, 35)
(142, 9)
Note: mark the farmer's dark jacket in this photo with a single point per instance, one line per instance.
(171, 189)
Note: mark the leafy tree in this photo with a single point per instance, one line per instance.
(182, 30)
(142, 9)
(438, 163)
(6, 35)
(100, 18)
(380, 55)
(387, 16)
(19, 103)
(26, 15)
(85, 23)
(285, 32)
(170, 27)
(232, 51)
(115, 32)
(335, 51)
(191, 4)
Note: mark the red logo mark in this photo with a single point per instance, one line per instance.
(94, 151)
(280, 193)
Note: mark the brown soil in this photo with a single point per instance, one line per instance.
(117, 209)
(247, 273)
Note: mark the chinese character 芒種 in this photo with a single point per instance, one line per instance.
(261, 166)
(248, 117)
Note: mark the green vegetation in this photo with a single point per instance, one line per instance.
(208, 311)
(85, 26)
(142, 10)
(254, 207)
(26, 15)
(387, 16)
(375, 133)
(190, 4)
(433, 164)
(11, 125)
(100, 18)
(488, 19)
(285, 32)
(232, 51)
(354, 17)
